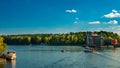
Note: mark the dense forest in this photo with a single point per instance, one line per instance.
(77, 38)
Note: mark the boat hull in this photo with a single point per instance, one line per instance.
(11, 57)
(89, 51)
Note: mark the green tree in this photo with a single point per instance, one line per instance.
(2, 45)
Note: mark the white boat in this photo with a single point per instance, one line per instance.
(88, 49)
(110, 46)
(11, 55)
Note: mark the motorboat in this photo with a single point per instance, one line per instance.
(11, 55)
(87, 49)
(110, 46)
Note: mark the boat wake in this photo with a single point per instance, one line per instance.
(107, 56)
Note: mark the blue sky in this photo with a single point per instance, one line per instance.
(58, 16)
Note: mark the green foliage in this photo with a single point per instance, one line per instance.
(1, 39)
(118, 38)
(2, 45)
(78, 38)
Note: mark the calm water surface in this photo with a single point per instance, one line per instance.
(52, 57)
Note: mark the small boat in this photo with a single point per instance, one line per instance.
(110, 46)
(11, 55)
(88, 49)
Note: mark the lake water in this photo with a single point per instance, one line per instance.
(52, 57)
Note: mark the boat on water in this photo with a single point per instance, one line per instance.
(11, 55)
(88, 49)
(110, 46)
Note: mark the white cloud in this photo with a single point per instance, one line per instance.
(71, 11)
(113, 22)
(110, 22)
(95, 22)
(113, 14)
(115, 11)
(75, 22)
(77, 18)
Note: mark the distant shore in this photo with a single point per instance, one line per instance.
(67, 39)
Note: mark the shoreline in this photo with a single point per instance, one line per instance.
(2, 60)
(44, 45)
(53, 45)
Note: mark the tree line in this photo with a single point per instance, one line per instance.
(72, 38)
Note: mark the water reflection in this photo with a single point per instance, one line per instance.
(2, 65)
(114, 50)
(11, 63)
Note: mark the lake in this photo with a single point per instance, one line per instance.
(52, 57)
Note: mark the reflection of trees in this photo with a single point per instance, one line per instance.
(2, 65)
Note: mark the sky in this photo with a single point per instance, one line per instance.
(58, 16)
